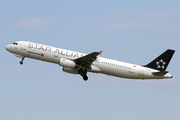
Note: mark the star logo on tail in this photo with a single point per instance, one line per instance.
(161, 64)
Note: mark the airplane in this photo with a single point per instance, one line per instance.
(80, 63)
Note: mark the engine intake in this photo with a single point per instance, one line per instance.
(67, 63)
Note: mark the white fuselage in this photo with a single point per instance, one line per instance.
(102, 65)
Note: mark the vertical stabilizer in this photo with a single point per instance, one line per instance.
(162, 61)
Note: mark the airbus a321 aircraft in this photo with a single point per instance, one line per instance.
(79, 63)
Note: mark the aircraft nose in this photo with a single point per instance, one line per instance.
(8, 47)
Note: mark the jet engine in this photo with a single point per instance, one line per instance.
(67, 63)
(71, 70)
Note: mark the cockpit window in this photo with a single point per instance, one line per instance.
(15, 43)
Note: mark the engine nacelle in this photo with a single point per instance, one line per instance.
(67, 63)
(71, 70)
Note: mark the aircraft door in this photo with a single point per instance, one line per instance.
(141, 72)
(23, 46)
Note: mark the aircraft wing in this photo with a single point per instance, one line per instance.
(87, 60)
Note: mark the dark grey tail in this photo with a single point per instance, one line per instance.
(161, 62)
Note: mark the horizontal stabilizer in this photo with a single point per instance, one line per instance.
(160, 73)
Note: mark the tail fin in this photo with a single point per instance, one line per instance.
(162, 61)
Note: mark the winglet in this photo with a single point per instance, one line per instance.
(100, 52)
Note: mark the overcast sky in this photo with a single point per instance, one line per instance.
(129, 31)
